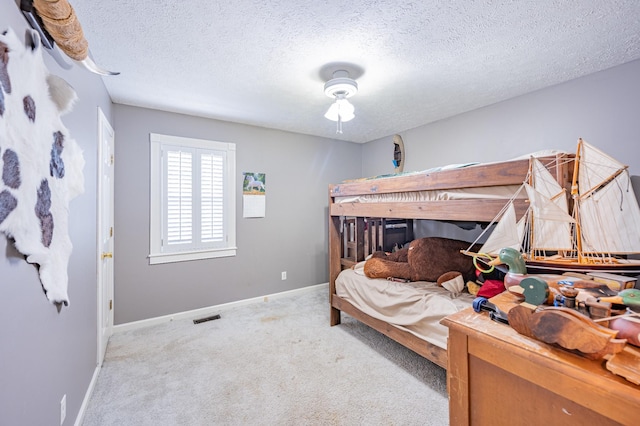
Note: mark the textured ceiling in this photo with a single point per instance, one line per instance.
(264, 62)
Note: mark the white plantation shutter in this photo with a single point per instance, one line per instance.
(212, 197)
(179, 197)
(192, 199)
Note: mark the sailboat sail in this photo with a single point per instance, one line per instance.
(551, 221)
(505, 234)
(547, 216)
(550, 224)
(606, 204)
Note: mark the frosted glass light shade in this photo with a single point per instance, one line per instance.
(340, 109)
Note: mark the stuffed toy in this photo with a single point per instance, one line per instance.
(447, 277)
(473, 288)
(452, 281)
(424, 259)
(491, 283)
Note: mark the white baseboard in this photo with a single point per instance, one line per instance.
(210, 310)
(87, 396)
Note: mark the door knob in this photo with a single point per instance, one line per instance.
(106, 255)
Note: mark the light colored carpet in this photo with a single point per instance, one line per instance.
(271, 363)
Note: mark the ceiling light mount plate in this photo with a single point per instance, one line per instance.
(341, 85)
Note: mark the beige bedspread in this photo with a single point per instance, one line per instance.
(416, 307)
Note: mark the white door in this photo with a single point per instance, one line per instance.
(105, 233)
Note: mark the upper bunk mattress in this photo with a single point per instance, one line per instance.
(416, 307)
(503, 180)
(483, 192)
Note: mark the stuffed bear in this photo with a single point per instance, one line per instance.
(424, 259)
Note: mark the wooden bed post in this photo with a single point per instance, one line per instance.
(335, 254)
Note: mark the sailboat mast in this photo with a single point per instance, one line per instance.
(576, 204)
(528, 240)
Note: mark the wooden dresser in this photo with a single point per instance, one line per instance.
(496, 376)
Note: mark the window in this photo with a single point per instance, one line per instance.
(192, 199)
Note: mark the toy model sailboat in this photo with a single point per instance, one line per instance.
(603, 228)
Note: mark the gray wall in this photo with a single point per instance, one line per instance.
(602, 108)
(292, 237)
(44, 353)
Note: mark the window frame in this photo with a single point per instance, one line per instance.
(159, 253)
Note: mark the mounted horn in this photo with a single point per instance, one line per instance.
(61, 22)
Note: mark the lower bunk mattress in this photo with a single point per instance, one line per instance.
(416, 307)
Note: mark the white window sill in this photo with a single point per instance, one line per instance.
(158, 258)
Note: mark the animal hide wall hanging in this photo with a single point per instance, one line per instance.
(41, 165)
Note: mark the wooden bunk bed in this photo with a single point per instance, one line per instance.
(357, 228)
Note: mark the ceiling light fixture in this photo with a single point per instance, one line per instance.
(340, 87)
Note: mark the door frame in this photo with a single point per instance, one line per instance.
(104, 127)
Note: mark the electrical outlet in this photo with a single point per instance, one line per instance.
(63, 408)
(284, 275)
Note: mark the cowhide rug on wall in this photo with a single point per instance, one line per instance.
(41, 165)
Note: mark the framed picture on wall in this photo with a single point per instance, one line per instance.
(254, 194)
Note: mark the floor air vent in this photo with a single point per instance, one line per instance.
(211, 318)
